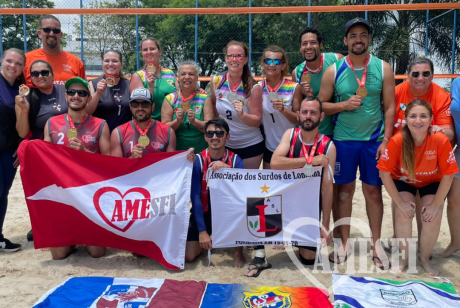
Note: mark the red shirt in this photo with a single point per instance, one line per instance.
(433, 159)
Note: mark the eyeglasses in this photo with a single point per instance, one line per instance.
(219, 133)
(81, 93)
(424, 74)
(270, 61)
(48, 30)
(233, 57)
(36, 74)
(107, 49)
(144, 104)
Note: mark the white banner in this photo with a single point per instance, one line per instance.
(253, 207)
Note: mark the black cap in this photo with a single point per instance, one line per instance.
(358, 21)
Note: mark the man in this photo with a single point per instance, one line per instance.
(143, 134)
(81, 132)
(355, 88)
(295, 144)
(310, 72)
(216, 156)
(65, 65)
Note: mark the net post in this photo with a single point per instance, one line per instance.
(137, 37)
(24, 25)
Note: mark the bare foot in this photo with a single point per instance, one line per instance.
(279, 247)
(450, 249)
(239, 258)
(429, 268)
(402, 266)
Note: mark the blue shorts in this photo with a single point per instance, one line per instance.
(350, 155)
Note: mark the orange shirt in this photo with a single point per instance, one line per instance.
(65, 65)
(436, 96)
(433, 159)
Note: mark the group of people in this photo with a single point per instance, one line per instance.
(337, 112)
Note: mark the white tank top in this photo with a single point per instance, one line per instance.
(241, 135)
(275, 124)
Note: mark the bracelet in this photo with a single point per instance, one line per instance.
(24, 110)
(385, 138)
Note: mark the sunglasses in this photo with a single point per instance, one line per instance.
(81, 93)
(144, 104)
(219, 133)
(36, 74)
(107, 49)
(424, 74)
(233, 57)
(270, 61)
(48, 30)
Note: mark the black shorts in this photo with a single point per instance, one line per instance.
(250, 151)
(193, 235)
(429, 189)
(267, 156)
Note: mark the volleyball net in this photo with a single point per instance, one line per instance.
(200, 29)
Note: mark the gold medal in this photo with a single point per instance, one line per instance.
(24, 90)
(306, 78)
(151, 68)
(185, 106)
(72, 133)
(362, 91)
(144, 140)
(110, 80)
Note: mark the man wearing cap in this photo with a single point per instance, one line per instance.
(143, 134)
(79, 131)
(354, 90)
(65, 65)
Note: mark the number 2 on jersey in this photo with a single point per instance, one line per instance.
(229, 114)
(61, 138)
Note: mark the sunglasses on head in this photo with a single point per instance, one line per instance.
(48, 30)
(219, 133)
(424, 74)
(233, 57)
(81, 93)
(107, 49)
(36, 74)
(144, 104)
(270, 61)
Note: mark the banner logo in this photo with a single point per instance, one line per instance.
(264, 216)
(121, 296)
(400, 298)
(273, 299)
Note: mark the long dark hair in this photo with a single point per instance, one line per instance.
(35, 95)
(248, 80)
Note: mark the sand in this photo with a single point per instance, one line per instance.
(26, 275)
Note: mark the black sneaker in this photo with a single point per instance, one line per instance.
(30, 236)
(7, 246)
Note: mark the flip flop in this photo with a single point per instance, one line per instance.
(259, 264)
(390, 248)
(337, 257)
(383, 266)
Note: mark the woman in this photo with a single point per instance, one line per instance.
(44, 101)
(416, 160)
(11, 77)
(280, 99)
(238, 99)
(110, 92)
(159, 80)
(187, 110)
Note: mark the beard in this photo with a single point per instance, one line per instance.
(312, 59)
(51, 44)
(309, 125)
(358, 52)
(142, 119)
(77, 108)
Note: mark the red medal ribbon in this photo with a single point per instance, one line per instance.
(361, 82)
(143, 132)
(208, 157)
(306, 71)
(31, 85)
(114, 76)
(235, 86)
(309, 158)
(72, 125)
(186, 99)
(270, 89)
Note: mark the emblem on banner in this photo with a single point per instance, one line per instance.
(400, 298)
(125, 296)
(264, 216)
(273, 299)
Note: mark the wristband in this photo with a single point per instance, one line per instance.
(385, 138)
(24, 110)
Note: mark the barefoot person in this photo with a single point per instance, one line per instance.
(73, 130)
(216, 156)
(415, 160)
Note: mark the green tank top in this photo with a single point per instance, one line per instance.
(163, 86)
(187, 135)
(326, 127)
(365, 123)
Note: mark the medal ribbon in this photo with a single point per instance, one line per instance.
(309, 158)
(31, 85)
(143, 132)
(235, 86)
(270, 89)
(72, 125)
(306, 71)
(361, 82)
(114, 76)
(151, 63)
(186, 99)
(208, 157)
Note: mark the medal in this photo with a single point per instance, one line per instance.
(308, 170)
(362, 91)
(306, 73)
(272, 96)
(143, 140)
(185, 104)
(24, 90)
(231, 97)
(306, 78)
(110, 80)
(73, 131)
(272, 92)
(151, 68)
